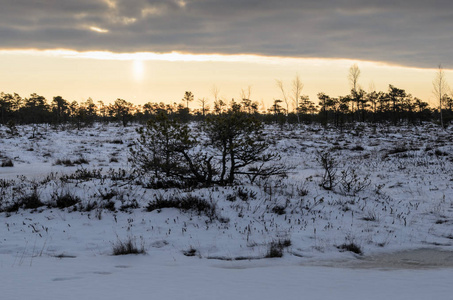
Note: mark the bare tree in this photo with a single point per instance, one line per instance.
(284, 95)
(297, 90)
(246, 93)
(440, 88)
(371, 87)
(215, 92)
(219, 104)
(353, 77)
(246, 101)
(204, 106)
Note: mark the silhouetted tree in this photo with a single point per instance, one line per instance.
(60, 108)
(324, 103)
(35, 109)
(353, 77)
(297, 90)
(440, 88)
(121, 110)
(306, 108)
(396, 97)
(188, 97)
(6, 107)
(91, 109)
(204, 106)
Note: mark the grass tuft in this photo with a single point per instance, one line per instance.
(129, 246)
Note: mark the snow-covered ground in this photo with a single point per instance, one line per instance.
(393, 197)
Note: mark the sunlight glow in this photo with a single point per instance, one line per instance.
(138, 68)
(188, 57)
(97, 29)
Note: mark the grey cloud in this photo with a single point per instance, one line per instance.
(415, 33)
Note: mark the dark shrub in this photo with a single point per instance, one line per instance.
(276, 248)
(31, 201)
(357, 148)
(65, 162)
(128, 246)
(352, 247)
(7, 163)
(119, 142)
(83, 175)
(278, 209)
(231, 198)
(69, 163)
(66, 200)
(187, 203)
(129, 205)
(399, 149)
(109, 205)
(190, 252)
(108, 195)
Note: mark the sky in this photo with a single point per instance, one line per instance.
(155, 50)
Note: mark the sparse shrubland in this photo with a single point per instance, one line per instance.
(218, 191)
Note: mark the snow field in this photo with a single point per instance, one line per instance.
(405, 201)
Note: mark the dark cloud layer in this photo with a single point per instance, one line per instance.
(414, 33)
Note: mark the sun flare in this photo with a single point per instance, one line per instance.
(138, 69)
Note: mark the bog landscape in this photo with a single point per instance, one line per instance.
(213, 149)
(227, 188)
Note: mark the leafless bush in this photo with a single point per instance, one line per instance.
(351, 183)
(329, 166)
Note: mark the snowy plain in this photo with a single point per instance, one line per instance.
(400, 216)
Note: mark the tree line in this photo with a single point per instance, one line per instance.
(394, 106)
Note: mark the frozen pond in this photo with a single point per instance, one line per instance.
(158, 276)
(410, 259)
(416, 259)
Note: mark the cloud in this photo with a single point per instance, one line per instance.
(414, 34)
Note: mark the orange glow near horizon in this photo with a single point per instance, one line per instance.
(146, 76)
